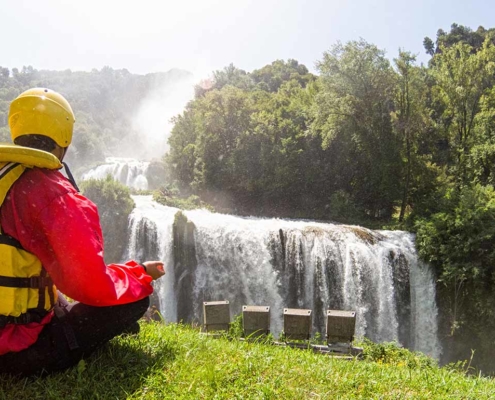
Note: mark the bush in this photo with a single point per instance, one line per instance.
(169, 196)
(393, 354)
(460, 241)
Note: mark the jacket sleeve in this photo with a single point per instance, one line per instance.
(69, 243)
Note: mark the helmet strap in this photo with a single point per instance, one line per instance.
(70, 176)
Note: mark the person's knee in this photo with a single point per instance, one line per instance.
(139, 307)
(145, 304)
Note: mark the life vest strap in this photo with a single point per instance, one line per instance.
(26, 318)
(9, 240)
(7, 168)
(34, 282)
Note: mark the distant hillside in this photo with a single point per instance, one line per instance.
(105, 102)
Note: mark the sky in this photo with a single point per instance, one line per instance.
(200, 36)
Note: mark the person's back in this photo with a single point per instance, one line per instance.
(53, 234)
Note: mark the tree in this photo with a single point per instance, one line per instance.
(230, 75)
(4, 72)
(429, 46)
(204, 139)
(462, 78)
(272, 76)
(248, 146)
(181, 159)
(411, 118)
(353, 117)
(458, 34)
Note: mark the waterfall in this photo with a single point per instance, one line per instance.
(287, 263)
(127, 171)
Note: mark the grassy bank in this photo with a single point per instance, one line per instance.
(175, 362)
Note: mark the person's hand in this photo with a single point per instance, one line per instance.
(154, 269)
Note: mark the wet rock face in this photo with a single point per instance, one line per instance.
(185, 265)
(157, 175)
(147, 237)
(402, 296)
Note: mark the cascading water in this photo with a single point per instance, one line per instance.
(150, 226)
(282, 263)
(127, 171)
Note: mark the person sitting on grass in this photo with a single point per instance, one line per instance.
(51, 240)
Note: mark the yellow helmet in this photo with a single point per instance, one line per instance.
(43, 112)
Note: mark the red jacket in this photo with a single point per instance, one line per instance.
(62, 228)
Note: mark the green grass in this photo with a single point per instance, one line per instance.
(176, 362)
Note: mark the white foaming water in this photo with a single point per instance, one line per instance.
(152, 219)
(424, 315)
(128, 171)
(301, 264)
(234, 263)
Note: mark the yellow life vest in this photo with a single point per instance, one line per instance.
(27, 293)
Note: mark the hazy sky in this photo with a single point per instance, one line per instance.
(200, 35)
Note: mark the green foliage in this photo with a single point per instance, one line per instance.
(271, 77)
(232, 76)
(176, 362)
(393, 354)
(240, 147)
(460, 240)
(342, 208)
(457, 34)
(462, 78)
(412, 123)
(481, 163)
(281, 142)
(169, 196)
(353, 119)
(114, 206)
(236, 329)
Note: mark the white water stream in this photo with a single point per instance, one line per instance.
(151, 222)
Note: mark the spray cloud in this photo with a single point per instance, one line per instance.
(167, 97)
